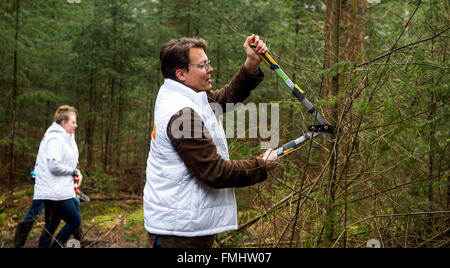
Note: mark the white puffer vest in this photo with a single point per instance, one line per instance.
(175, 203)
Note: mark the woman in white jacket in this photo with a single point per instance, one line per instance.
(57, 176)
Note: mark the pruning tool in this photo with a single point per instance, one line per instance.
(323, 128)
(82, 196)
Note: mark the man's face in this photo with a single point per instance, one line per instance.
(197, 76)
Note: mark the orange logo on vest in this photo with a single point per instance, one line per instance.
(154, 132)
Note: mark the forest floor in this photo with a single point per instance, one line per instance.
(115, 218)
(113, 223)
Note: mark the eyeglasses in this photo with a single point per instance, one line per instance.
(204, 66)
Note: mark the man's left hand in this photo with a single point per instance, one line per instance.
(253, 59)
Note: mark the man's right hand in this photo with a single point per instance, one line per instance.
(270, 157)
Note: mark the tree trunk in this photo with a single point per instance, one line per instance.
(332, 88)
(218, 56)
(90, 127)
(344, 40)
(107, 160)
(13, 103)
(119, 126)
(296, 234)
(188, 19)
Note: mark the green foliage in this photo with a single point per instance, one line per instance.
(101, 182)
(103, 58)
(3, 219)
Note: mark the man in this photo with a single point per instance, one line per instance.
(189, 196)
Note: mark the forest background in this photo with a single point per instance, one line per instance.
(378, 69)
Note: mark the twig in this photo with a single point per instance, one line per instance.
(389, 215)
(434, 237)
(397, 122)
(406, 25)
(386, 190)
(107, 233)
(402, 47)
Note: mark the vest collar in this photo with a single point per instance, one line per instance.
(179, 88)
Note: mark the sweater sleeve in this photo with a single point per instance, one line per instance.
(59, 169)
(200, 156)
(239, 88)
(54, 159)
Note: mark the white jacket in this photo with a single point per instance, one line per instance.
(175, 203)
(56, 145)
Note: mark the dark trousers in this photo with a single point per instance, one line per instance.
(170, 241)
(55, 211)
(35, 210)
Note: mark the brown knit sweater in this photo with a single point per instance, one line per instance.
(200, 155)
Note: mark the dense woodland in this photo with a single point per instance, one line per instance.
(379, 70)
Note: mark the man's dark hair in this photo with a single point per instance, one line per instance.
(175, 55)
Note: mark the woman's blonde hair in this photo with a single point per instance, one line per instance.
(63, 112)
